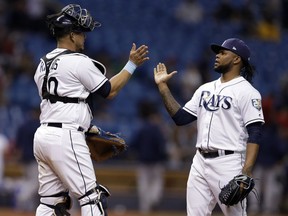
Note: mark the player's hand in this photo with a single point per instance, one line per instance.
(248, 172)
(161, 75)
(138, 56)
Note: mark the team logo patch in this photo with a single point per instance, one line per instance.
(257, 104)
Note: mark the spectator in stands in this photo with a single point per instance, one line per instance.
(225, 12)
(149, 144)
(191, 79)
(27, 196)
(2, 87)
(248, 18)
(181, 138)
(269, 168)
(10, 115)
(28, 15)
(282, 121)
(268, 27)
(23, 79)
(189, 11)
(18, 18)
(180, 150)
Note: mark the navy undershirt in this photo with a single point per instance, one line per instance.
(104, 90)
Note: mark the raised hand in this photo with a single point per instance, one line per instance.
(138, 56)
(161, 75)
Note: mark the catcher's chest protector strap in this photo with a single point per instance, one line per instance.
(60, 209)
(101, 200)
(45, 93)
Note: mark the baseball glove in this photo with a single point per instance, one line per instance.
(236, 190)
(104, 145)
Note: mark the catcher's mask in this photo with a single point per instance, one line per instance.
(72, 18)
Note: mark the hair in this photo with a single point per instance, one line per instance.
(248, 72)
(61, 32)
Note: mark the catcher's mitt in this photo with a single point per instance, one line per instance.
(236, 190)
(104, 145)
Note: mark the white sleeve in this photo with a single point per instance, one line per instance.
(251, 107)
(192, 105)
(89, 75)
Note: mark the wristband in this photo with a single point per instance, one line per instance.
(130, 67)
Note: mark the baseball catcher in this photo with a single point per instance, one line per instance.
(67, 81)
(236, 190)
(104, 145)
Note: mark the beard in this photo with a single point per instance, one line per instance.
(222, 69)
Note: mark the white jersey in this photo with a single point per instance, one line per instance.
(71, 75)
(223, 111)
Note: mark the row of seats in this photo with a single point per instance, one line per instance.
(153, 23)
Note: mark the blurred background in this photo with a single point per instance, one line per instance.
(149, 178)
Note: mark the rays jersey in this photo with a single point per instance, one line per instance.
(223, 111)
(70, 75)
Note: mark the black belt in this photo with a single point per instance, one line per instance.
(213, 154)
(55, 98)
(59, 125)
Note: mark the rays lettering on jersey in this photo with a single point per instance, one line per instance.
(42, 67)
(52, 81)
(212, 102)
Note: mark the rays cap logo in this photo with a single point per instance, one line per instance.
(234, 45)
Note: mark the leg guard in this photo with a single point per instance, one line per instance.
(61, 208)
(101, 199)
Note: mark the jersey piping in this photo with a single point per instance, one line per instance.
(100, 84)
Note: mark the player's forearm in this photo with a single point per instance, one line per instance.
(118, 81)
(251, 156)
(171, 105)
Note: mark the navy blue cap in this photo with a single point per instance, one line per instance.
(234, 45)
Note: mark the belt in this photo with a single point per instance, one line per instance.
(60, 125)
(214, 154)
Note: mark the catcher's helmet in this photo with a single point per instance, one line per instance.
(71, 18)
